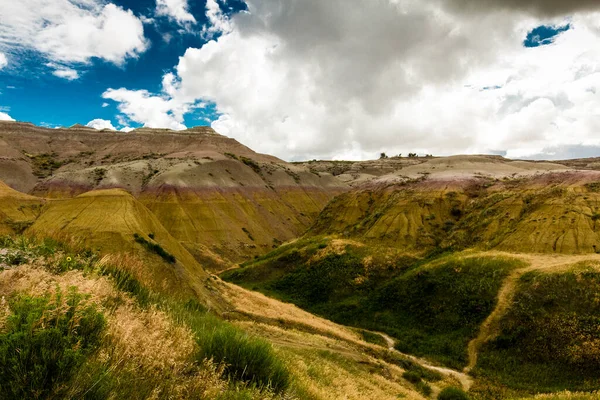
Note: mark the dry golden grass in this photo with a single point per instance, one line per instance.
(331, 376)
(4, 312)
(144, 343)
(357, 374)
(565, 396)
(34, 280)
(263, 307)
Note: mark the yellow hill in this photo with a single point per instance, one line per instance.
(17, 210)
(109, 220)
(553, 213)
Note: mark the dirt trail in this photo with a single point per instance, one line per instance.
(465, 380)
(537, 262)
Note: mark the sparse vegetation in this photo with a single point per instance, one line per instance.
(294, 175)
(252, 164)
(152, 172)
(155, 248)
(247, 232)
(593, 187)
(98, 175)
(44, 164)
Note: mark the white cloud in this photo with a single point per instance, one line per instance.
(176, 10)
(150, 110)
(218, 23)
(3, 60)
(5, 117)
(71, 31)
(327, 80)
(101, 124)
(104, 105)
(63, 72)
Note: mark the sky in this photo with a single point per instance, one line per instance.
(314, 79)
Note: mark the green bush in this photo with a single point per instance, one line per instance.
(412, 377)
(44, 342)
(452, 393)
(423, 388)
(156, 248)
(126, 282)
(247, 359)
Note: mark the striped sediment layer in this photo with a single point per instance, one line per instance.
(546, 213)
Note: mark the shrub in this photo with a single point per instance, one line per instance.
(374, 338)
(412, 377)
(252, 164)
(126, 282)
(45, 340)
(156, 248)
(423, 388)
(411, 366)
(452, 393)
(246, 358)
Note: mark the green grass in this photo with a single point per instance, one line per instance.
(549, 338)
(374, 338)
(250, 363)
(431, 311)
(417, 380)
(452, 393)
(46, 339)
(247, 358)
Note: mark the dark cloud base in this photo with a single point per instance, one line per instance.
(545, 8)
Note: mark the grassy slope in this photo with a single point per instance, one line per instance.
(82, 328)
(545, 340)
(17, 210)
(548, 340)
(433, 309)
(155, 346)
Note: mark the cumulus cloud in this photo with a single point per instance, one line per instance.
(101, 124)
(71, 31)
(3, 60)
(63, 72)
(316, 79)
(5, 117)
(153, 111)
(218, 22)
(176, 10)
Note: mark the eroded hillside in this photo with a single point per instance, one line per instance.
(211, 193)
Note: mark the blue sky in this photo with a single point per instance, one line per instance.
(31, 93)
(305, 79)
(544, 35)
